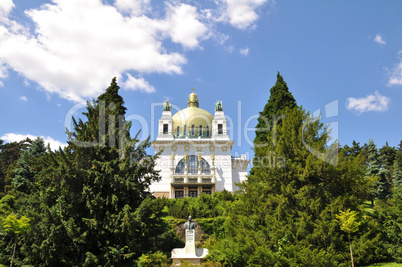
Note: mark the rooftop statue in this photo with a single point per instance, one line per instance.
(218, 106)
(167, 106)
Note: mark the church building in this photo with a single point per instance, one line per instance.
(196, 153)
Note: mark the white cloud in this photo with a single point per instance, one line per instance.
(76, 51)
(378, 39)
(5, 8)
(135, 7)
(183, 25)
(74, 48)
(244, 51)
(15, 137)
(24, 98)
(375, 102)
(138, 84)
(241, 13)
(395, 75)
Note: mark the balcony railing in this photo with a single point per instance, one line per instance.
(180, 179)
(192, 134)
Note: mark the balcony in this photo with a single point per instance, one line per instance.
(203, 133)
(191, 179)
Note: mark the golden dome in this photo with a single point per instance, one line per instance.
(192, 115)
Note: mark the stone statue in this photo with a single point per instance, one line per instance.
(186, 158)
(213, 159)
(190, 225)
(199, 156)
(167, 106)
(218, 106)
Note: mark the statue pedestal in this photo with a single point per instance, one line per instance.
(189, 253)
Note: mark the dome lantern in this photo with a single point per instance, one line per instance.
(193, 99)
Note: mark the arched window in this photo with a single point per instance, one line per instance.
(192, 166)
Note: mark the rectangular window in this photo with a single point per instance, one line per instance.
(178, 130)
(178, 194)
(220, 129)
(193, 130)
(207, 133)
(185, 130)
(200, 130)
(207, 192)
(165, 128)
(192, 193)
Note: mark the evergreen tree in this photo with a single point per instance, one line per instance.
(9, 155)
(93, 206)
(381, 187)
(388, 154)
(286, 215)
(24, 175)
(280, 98)
(397, 177)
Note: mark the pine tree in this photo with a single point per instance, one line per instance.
(96, 195)
(381, 188)
(24, 175)
(272, 114)
(286, 215)
(397, 177)
(280, 98)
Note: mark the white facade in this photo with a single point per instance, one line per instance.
(195, 153)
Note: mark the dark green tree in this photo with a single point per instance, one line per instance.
(381, 187)
(387, 153)
(93, 206)
(24, 178)
(397, 177)
(280, 98)
(9, 155)
(286, 215)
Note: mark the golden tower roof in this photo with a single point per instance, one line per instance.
(192, 115)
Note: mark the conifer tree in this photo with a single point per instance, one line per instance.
(382, 187)
(272, 114)
(397, 177)
(24, 175)
(280, 98)
(95, 194)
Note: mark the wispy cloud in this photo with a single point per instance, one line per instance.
(244, 51)
(374, 102)
(378, 39)
(395, 75)
(24, 98)
(16, 137)
(241, 14)
(138, 84)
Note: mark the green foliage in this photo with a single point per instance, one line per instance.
(91, 205)
(397, 177)
(280, 99)
(157, 259)
(348, 221)
(24, 179)
(286, 215)
(9, 155)
(205, 206)
(381, 189)
(14, 225)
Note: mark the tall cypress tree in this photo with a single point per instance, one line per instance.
(272, 114)
(280, 98)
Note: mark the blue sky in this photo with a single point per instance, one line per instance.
(55, 54)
